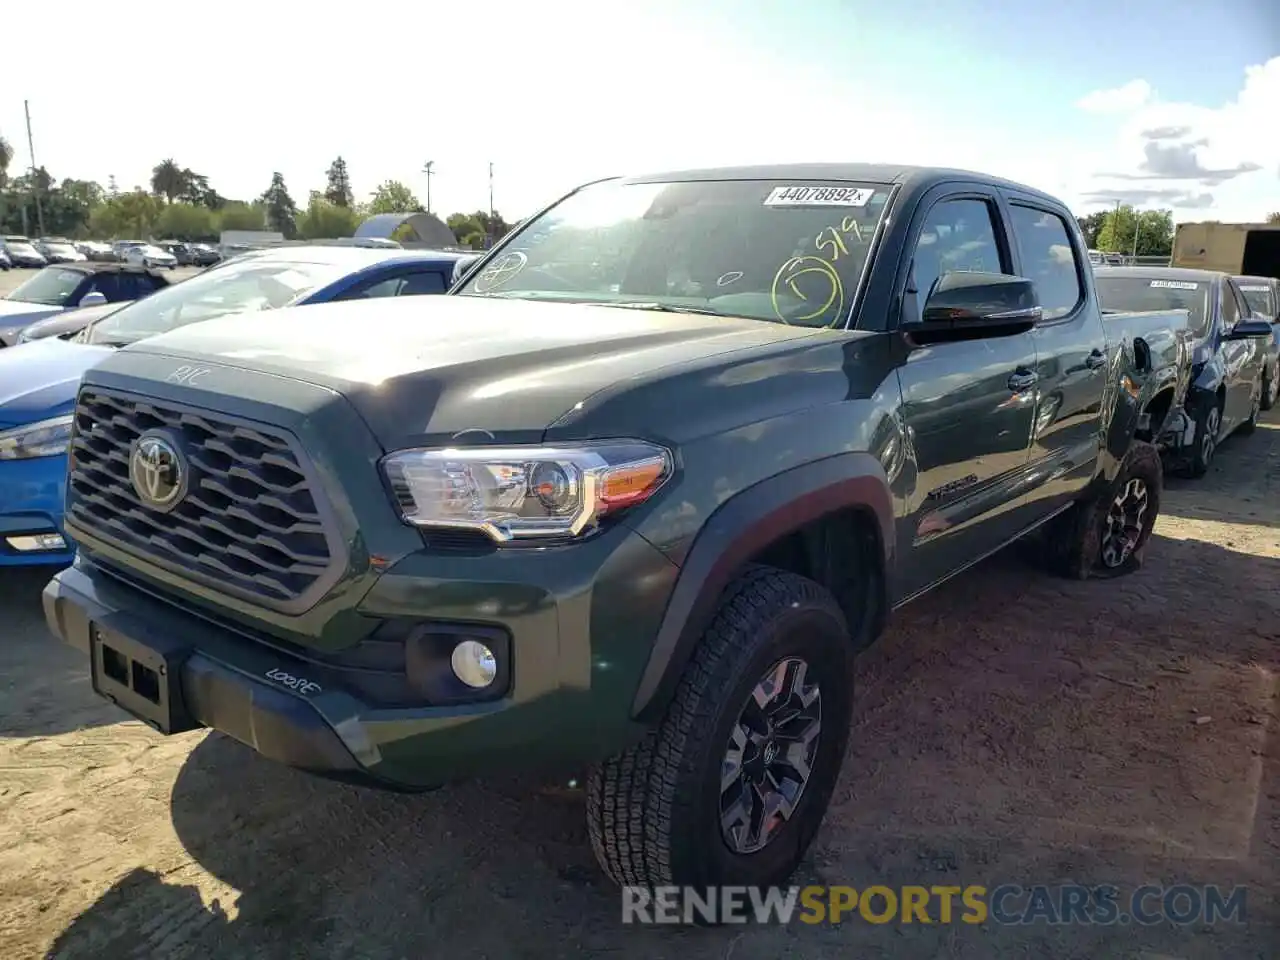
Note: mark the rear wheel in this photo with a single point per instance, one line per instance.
(1271, 386)
(1251, 424)
(732, 785)
(1106, 535)
(1208, 421)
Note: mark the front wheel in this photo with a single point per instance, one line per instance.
(1106, 534)
(731, 786)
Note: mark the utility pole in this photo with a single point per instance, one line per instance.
(1137, 225)
(490, 189)
(491, 234)
(429, 169)
(35, 187)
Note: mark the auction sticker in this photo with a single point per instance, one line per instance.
(1254, 289)
(1175, 284)
(819, 197)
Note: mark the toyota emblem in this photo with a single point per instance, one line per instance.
(157, 471)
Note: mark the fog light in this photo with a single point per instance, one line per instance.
(37, 541)
(474, 663)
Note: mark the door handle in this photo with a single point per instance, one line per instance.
(1095, 359)
(1022, 380)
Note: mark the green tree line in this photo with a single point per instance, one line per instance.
(181, 204)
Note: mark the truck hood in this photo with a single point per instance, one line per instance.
(40, 379)
(424, 370)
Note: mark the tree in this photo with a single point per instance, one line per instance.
(1090, 226)
(394, 197)
(1155, 232)
(167, 180)
(326, 220)
(85, 192)
(338, 191)
(1273, 217)
(236, 215)
(129, 216)
(281, 211)
(186, 221)
(6, 157)
(197, 192)
(478, 230)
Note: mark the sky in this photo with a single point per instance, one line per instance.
(1166, 104)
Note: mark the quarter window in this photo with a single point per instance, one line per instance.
(1230, 309)
(1048, 259)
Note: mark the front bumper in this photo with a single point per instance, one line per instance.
(573, 642)
(31, 498)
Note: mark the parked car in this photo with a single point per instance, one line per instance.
(68, 324)
(1262, 296)
(632, 495)
(5, 263)
(68, 286)
(150, 256)
(59, 250)
(98, 252)
(1229, 353)
(38, 379)
(203, 255)
(22, 253)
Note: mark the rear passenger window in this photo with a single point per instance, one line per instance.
(1048, 259)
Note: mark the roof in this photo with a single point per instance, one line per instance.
(1160, 273)
(427, 227)
(892, 173)
(353, 257)
(95, 266)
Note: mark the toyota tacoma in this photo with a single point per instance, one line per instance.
(632, 496)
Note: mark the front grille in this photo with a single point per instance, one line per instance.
(250, 521)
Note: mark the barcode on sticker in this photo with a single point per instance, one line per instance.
(819, 197)
(1255, 289)
(1175, 284)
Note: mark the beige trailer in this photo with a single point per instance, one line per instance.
(1252, 249)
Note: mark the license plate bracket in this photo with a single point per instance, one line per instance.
(140, 678)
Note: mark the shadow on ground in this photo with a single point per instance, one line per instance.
(1011, 728)
(44, 685)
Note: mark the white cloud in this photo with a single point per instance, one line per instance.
(1123, 99)
(1206, 162)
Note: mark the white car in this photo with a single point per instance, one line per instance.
(145, 255)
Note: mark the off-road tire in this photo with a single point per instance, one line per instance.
(653, 811)
(1198, 463)
(1075, 537)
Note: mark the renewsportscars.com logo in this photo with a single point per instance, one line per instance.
(1006, 904)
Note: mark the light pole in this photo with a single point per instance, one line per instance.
(35, 187)
(429, 169)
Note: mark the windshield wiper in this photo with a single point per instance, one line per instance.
(660, 307)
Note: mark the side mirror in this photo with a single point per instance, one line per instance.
(965, 304)
(1248, 329)
(94, 298)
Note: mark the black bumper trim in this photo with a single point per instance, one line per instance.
(278, 724)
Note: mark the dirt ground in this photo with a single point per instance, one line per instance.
(1011, 728)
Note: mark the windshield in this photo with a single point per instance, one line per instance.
(52, 286)
(20, 246)
(60, 247)
(238, 288)
(790, 252)
(1258, 297)
(1144, 293)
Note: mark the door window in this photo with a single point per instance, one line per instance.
(957, 236)
(1048, 260)
(1230, 309)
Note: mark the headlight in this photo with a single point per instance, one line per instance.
(48, 438)
(522, 493)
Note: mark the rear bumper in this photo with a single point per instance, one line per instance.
(31, 499)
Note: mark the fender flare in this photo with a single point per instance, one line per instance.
(740, 528)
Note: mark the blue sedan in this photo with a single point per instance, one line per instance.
(39, 380)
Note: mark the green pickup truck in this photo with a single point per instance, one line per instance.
(632, 496)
